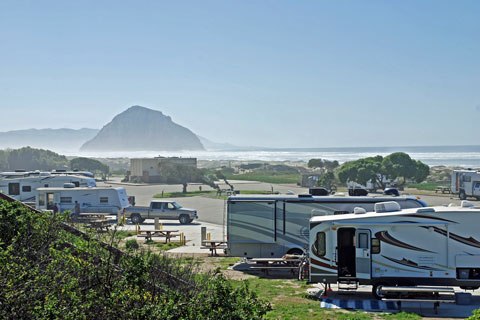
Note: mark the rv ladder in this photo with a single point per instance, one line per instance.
(347, 284)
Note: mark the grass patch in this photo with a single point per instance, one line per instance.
(183, 195)
(429, 186)
(167, 246)
(119, 235)
(267, 176)
(209, 194)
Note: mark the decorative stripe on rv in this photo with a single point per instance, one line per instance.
(410, 263)
(387, 238)
(468, 241)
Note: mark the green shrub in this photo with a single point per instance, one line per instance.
(131, 244)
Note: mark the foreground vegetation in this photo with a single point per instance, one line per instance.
(48, 270)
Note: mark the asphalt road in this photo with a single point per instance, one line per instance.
(213, 210)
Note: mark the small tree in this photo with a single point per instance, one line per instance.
(91, 165)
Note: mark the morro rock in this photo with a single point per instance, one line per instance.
(142, 129)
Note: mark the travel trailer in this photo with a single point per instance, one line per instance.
(466, 183)
(438, 246)
(22, 185)
(273, 225)
(91, 199)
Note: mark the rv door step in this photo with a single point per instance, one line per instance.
(347, 284)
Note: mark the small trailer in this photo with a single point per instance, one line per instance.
(434, 246)
(91, 200)
(466, 183)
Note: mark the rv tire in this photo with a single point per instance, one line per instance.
(136, 219)
(462, 195)
(184, 219)
(376, 291)
(296, 251)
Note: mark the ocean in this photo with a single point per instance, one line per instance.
(462, 156)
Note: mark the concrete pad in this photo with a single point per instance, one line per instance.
(191, 231)
(424, 309)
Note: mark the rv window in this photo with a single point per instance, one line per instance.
(375, 246)
(14, 189)
(46, 186)
(65, 199)
(76, 183)
(41, 199)
(320, 244)
(26, 189)
(467, 178)
(103, 199)
(363, 240)
(340, 212)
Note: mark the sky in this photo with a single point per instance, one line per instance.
(252, 73)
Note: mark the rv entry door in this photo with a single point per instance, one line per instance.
(362, 254)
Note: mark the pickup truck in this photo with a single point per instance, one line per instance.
(162, 209)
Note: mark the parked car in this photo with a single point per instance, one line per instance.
(357, 192)
(162, 209)
(391, 192)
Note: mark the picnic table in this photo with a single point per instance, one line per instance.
(213, 245)
(442, 189)
(266, 264)
(148, 234)
(99, 225)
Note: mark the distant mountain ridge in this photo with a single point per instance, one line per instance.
(63, 139)
(142, 129)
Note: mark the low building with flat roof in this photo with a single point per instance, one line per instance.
(146, 169)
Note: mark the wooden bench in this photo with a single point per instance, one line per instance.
(167, 234)
(213, 245)
(442, 189)
(420, 294)
(99, 225)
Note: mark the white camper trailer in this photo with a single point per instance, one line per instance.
(91, 199)
(437, 246)
(22, 185)
(466, 183)
(271, 226)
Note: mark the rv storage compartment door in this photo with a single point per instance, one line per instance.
(251, 221)
(362, 253)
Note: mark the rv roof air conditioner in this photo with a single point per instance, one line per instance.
(425, 210)
(388, 206)
(466, 204)
(68, 185)
(359, 210)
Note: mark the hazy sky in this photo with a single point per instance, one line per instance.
(269, 73)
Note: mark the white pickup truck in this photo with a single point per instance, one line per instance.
(162, 209)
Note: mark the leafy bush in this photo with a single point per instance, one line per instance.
(49, 270)
(131, 244)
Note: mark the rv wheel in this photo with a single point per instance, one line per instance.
(136, 219)
(462, 195)
(296, 251)
(377, 291)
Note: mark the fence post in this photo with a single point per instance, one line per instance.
(204, 233)
(157, 225)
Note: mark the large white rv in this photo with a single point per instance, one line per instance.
(273, 225)
(90, 199)
(437, 246)
(22, 185)
(466, 183)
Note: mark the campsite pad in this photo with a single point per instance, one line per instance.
(362, 299)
